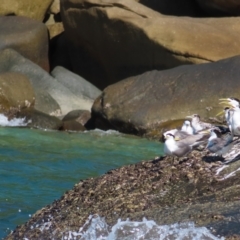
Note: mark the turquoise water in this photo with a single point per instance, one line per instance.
(37, 167)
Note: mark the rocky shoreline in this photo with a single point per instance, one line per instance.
(164, 189)
(137, 67)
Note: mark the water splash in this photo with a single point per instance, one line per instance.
(14, 122)
(95, 228)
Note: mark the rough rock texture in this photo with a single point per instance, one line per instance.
(220, 7)
(16, 93)
(125, 38)
(142, 104)
(33, 9)
(165, 190)
(27, 36)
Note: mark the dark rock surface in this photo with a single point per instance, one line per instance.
(174, 7)
(37, 119)
(149, 103)
(220, 7)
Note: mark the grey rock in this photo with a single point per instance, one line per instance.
(52, 97)
(77, 85)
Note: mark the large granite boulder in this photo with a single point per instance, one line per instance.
(16, 93)
(126, 38)
(27, 36)
(53, 95)
(33, 9)
(220, 7)
(144, 104)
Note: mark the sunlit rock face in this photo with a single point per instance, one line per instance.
(146, 103)
(126, 38)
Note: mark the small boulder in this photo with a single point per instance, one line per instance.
(80, 116)
(72, 125)
(37, 119)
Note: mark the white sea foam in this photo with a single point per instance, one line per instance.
(95, 228)
(102, 132)
(15, 122)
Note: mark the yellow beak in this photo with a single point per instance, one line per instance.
(205, 131)
(227, 103)
(223, 99)
(220, 113)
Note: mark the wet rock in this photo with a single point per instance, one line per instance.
(37, 119)
(125, 38)
(72, 125)
(150, 103)
(26, 36)
(165, 189)
(32, 9)
(16, 93)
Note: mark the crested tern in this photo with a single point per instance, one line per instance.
(218, 143)
(186, 127)
(199, 125)
(175, 148)
(233, 116)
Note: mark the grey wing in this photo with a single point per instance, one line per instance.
(182, 149)
(181, 134)
(193, 139)
(228, 139)
(215, 145)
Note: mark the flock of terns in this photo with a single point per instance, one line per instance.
(194, 132)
